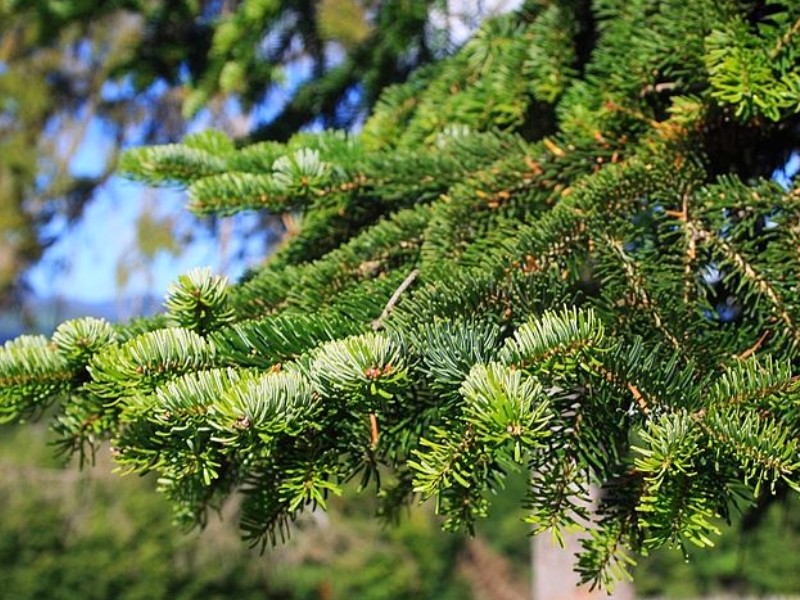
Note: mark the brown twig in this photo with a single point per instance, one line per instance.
(784, 40)
(374, 433)
(637, 396)
(378, 323)
(752, 349)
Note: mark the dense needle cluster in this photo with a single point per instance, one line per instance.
(558, 251)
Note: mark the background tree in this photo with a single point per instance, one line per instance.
(556, 252)
(78, 75)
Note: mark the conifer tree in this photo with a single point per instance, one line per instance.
(561, 251)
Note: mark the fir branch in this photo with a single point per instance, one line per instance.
(755, 347)
(760, 282)
(784, 40)
(32, 375)
(585, 304)
(639, 288)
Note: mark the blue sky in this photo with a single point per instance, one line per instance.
(83, 263)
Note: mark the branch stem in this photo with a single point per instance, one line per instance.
(378, 323)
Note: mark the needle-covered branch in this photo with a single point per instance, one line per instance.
(555, 252)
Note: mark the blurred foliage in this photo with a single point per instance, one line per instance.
(752, 559)
(343, 21)
(68, 535)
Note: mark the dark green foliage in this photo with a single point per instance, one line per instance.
(584, 278)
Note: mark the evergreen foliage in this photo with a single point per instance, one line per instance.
(557, 252)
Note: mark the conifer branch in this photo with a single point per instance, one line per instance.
(785, 40)
(637, 284)
(589, 298)
(760, 282)
(754, 348)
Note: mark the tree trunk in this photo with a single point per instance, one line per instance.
(553, 572)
